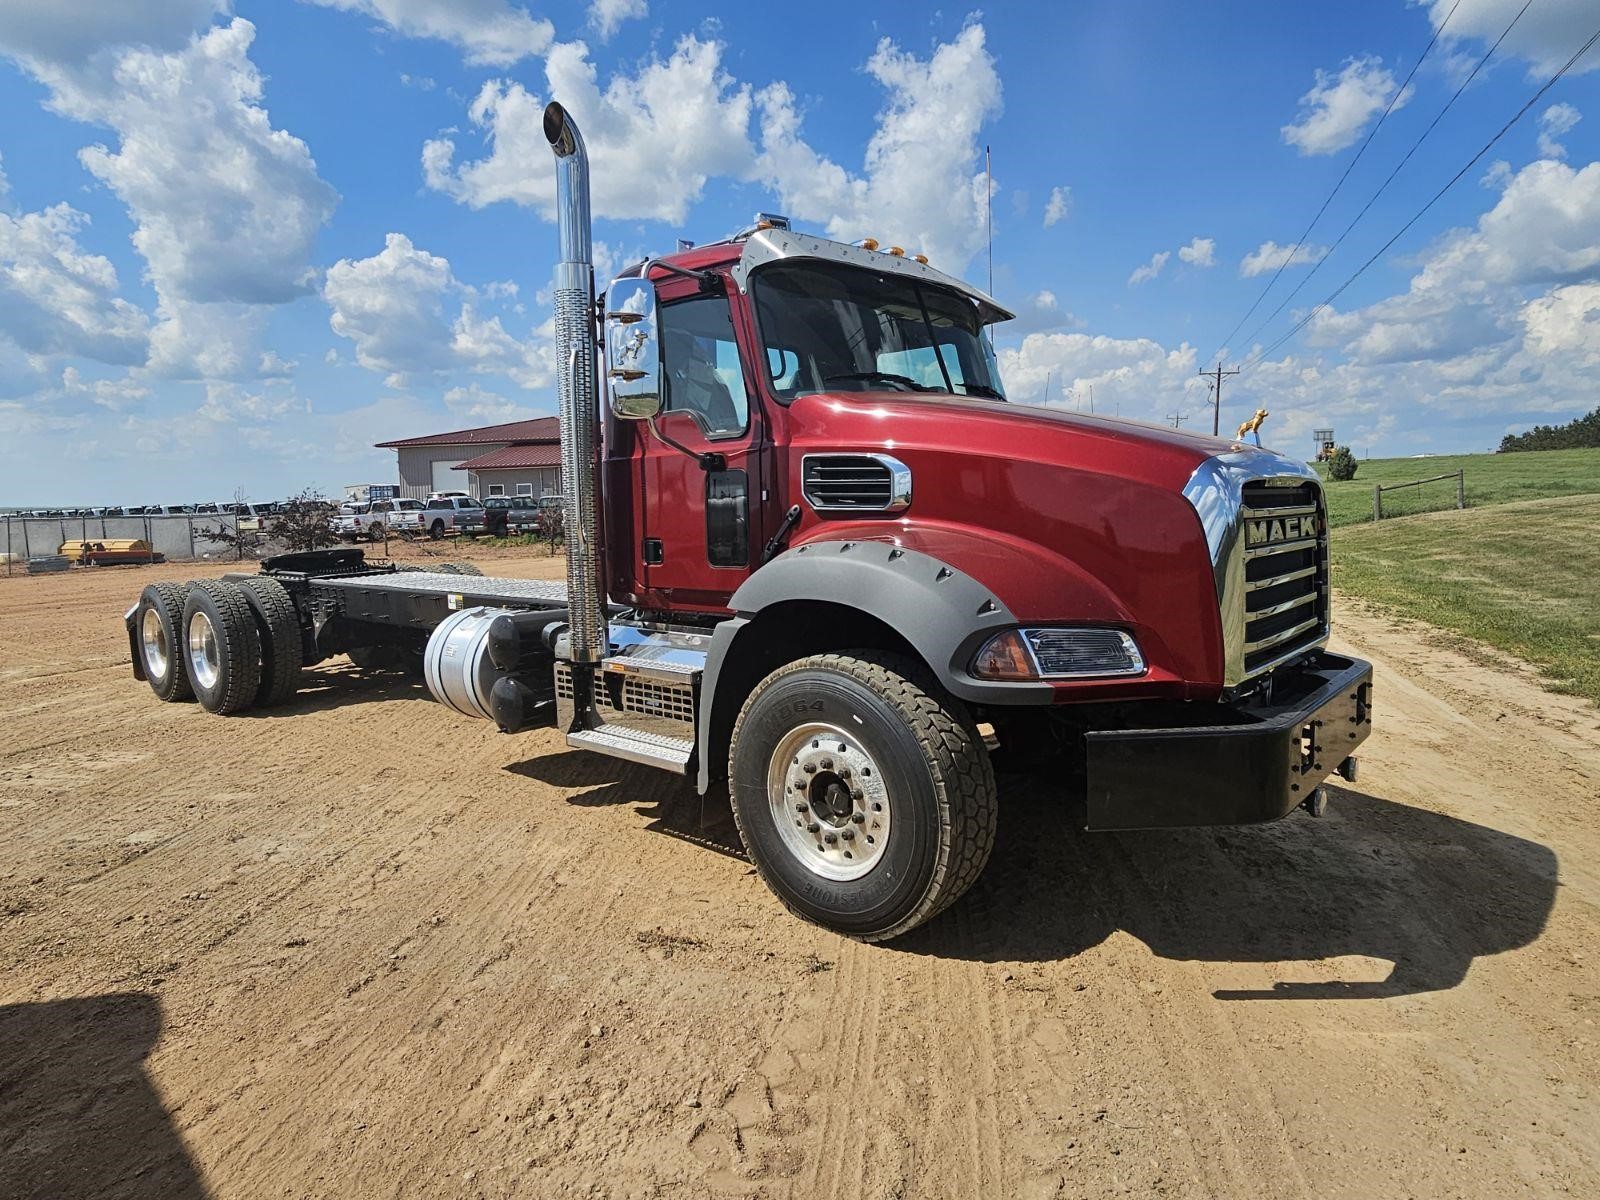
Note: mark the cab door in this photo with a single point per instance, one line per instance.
(700, 469)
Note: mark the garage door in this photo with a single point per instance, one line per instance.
(447, 479)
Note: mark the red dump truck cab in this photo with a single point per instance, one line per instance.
(815, 554)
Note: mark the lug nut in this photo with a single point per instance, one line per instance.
(858, 818)
(813, 827)
(830, 838)
(827, 764)
(848, 835)
(802, 807)
(811, 768)
(844, 772)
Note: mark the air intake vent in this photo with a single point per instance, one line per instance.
(855, 482)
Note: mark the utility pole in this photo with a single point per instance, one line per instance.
(1216, 374)
(1176, 419)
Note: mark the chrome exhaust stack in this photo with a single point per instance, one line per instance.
(577, 373)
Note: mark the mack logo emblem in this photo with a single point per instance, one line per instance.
(1286, 529)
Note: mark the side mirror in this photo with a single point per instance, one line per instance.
(633, 350)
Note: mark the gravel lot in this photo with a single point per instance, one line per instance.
(363, 947)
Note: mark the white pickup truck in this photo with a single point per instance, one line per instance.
(372, 521)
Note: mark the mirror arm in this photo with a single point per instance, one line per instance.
(709, 281)
(709, 460)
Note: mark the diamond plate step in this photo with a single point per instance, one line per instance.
(651, 749)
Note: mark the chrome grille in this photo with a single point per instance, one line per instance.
(1285, 550)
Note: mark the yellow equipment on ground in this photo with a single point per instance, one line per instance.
(109, 550)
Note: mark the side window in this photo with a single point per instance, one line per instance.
(438, 504)
(497, 489)
(524, 489)
(700, 362)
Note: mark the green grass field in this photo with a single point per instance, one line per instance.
(1522, 577)
(1491, 479)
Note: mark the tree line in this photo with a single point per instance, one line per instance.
(1580, 434)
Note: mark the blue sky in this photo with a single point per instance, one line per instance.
(240, 242)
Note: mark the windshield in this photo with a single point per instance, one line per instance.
(837, 329)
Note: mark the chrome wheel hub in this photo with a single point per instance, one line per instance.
(829, 801)
(153, 639)
(205, 662)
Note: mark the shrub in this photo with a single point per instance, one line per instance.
(304, 523)
(1342, 464)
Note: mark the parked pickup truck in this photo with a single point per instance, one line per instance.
(373, 521)
(444, 513)
(501, 516)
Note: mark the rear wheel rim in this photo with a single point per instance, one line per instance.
(205, 658)
(829, 801)
(153, 637)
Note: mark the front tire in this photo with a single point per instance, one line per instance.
(863, 793)
(221, 646)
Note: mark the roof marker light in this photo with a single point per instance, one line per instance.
(868, 243)
(921, 258)
(897, 251)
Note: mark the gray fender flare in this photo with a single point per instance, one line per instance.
(944, 613)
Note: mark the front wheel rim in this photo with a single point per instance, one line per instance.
(153, 637)
(829, 801)
(205, 660)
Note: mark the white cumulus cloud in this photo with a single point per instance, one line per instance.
(407, 314)
(607, 16)
(922, 184)
(58, 299)
(654, 138)
(1059, 207)
(225, 207)
(1553, 122)
(1269, 256)
(490, 32)
(1545, 36)
(1337, 108)
(1200, 252)
(70, 31)
(1157, 263)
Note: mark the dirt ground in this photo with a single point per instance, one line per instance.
(363, 947)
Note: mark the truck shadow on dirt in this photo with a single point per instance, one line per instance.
(1373, 879)
(79, 1117)
(339, 685)
(671, 806)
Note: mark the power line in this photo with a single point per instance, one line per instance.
(1384, 186)
(1177, 419)
(1454, 179)
(1393, 100)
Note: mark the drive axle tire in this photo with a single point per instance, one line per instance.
(222, 650)
(159, 626)
(863, 794)
(282, 644)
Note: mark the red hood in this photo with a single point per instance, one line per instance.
(1065, 517)
(1133, 449)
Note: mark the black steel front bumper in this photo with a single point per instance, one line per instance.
(1229, 764)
